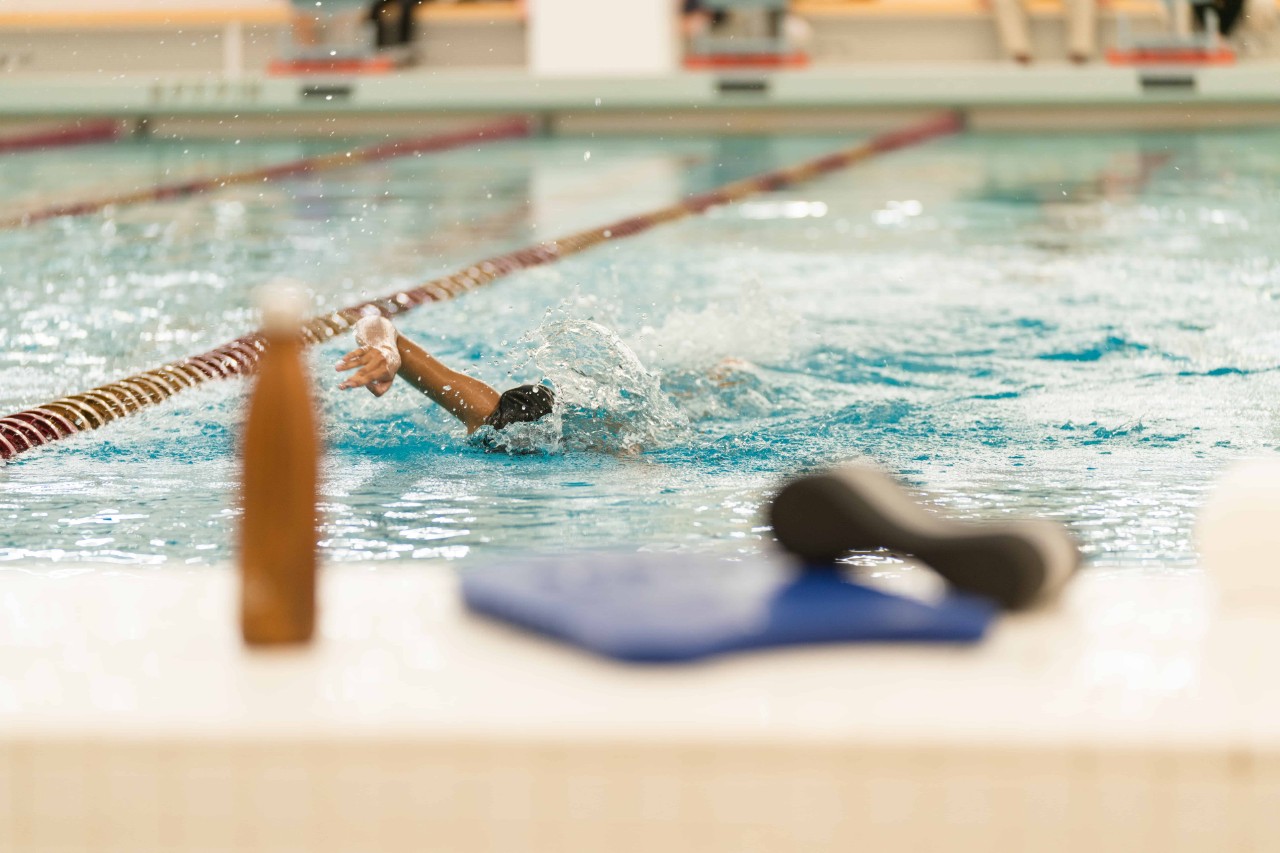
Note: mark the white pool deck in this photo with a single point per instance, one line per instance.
(1135, 715)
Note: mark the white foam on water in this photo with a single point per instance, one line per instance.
(606, 399)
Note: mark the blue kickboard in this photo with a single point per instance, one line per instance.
(657, 608)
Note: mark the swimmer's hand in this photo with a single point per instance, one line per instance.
(377, 359)
(377, 369)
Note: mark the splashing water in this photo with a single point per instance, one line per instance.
(712, 364)
(606, 400)
(763, 328)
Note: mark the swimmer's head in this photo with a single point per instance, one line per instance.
(522, 405)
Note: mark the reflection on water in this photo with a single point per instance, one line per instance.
(1078, 328)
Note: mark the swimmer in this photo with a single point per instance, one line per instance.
(385, 354)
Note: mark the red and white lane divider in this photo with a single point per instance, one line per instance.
(505, 129)
(76, 133)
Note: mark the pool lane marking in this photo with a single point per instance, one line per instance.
(101, 405)
(76, 133)
(508, 128)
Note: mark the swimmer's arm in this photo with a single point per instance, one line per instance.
(385, 354)
(466, 398)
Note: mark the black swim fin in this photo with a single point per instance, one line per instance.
(822, 517)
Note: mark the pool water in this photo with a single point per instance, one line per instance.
(1082, 328)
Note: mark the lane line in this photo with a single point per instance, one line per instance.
(77, 133)
(506, 129)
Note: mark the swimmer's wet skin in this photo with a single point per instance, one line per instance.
(385, 354)
(822, 517)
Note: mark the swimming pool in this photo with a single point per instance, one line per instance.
(1083, 328)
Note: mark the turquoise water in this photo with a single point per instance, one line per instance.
(1082, 328)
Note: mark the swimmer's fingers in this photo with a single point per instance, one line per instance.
(355, 358)
(375, 372)
(360, 378)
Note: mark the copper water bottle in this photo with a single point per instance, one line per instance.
(280, 457)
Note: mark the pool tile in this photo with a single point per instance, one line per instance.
(1120, 798)
(128, 779)
(8, 810)
(56, 799)
(278, 795)
(202, 794)
(1202, 793)
(351, 794)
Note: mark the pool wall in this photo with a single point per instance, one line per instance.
(992, 95)
(1127, 719)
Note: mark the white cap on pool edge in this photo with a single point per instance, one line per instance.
(1238, 534)
(283, 304)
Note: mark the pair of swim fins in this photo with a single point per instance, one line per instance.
(822, 517)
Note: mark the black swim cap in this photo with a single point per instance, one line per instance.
(522, 405)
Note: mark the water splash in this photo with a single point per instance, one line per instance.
(731, 388)
(606, 399)
(762, 328)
